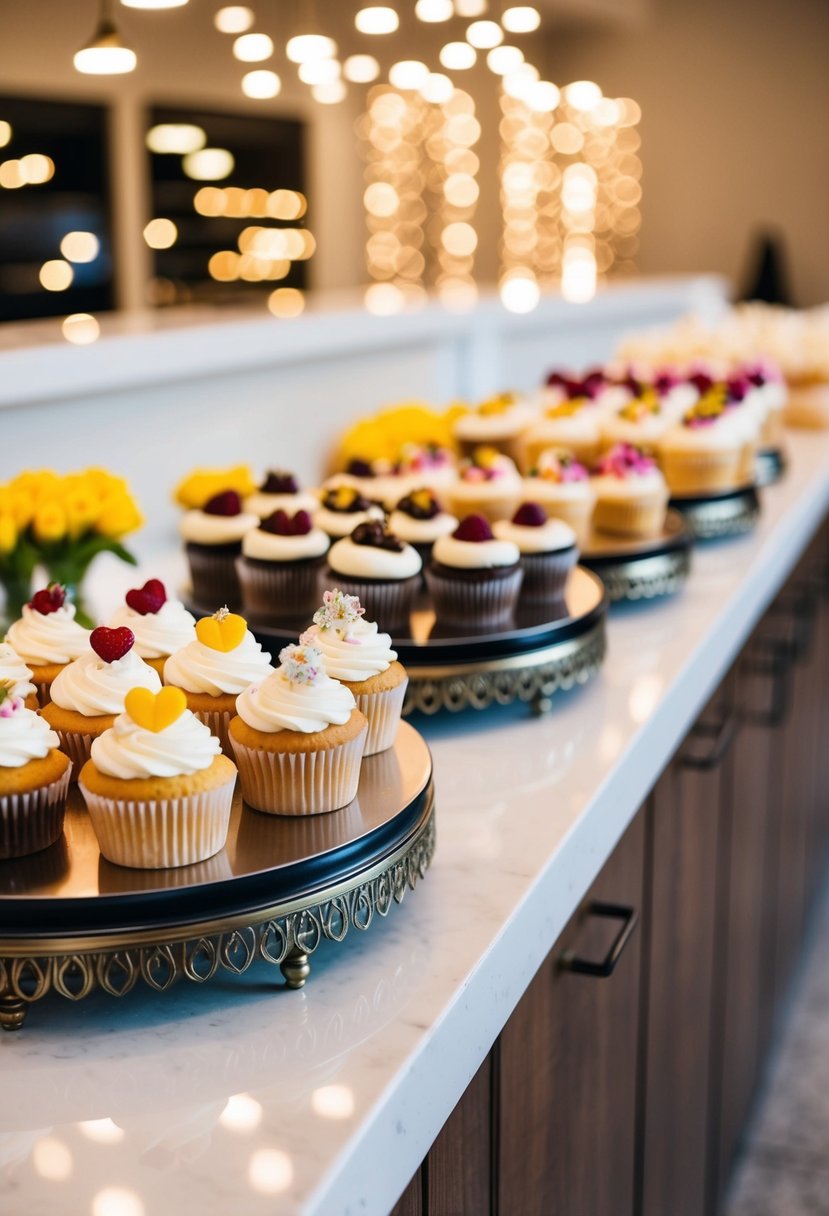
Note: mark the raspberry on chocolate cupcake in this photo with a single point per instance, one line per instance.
(213, 540)
(280, 491)
(474, 578)
(380, 569)
(548, 551)
(280, 566)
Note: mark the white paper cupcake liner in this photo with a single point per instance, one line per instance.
(33, 820)
(474, 601)
(300, 783)
(218, 723)
(162, 834)
(77, 747)
(383, 710)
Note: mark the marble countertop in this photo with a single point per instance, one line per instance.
(243, 1097)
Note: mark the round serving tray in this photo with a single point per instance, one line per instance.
(70, 921)
(770, 465)
(644, 569)
(712, 516)
(540, 652)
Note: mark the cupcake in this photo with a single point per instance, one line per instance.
(426, 464)
(767, 381)
(47, 637)
(418, 519)
(213, 540)
(488, 484)
(641, 421)
(89, 693)
(548, 550)
(298, 739)
(631, 494)
(280, 565)
(34, 779)
(706, 452)
(212, 670)
(160, 626)
(342, 507)
(360, 657)
(16, 676)
(157, 788)
(280, 492)
(499, 422)
(573, 423)
(473, 578)
(381, 570)
(561, 485)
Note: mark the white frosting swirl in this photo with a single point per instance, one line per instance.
(550, 536)
(343, 523)
(279, 704)
(91, 687)
(545, 491)
(355, 653)
(158, 634)
(55, 637)
(608, 487)
(365, 561)
(475, 555)
(204, 529)
(479, 426)
(421, 531)
(198, 668)
(262, 505)
(580, 427)
(25, 736)
(129, 752)
(15, 672)
(269, 547)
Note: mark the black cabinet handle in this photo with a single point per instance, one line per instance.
(800, 607)
(585, 966)
(776, 663)
(721, 733)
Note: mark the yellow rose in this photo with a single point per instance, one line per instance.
(118, 516)
(103, 483)
(83, 507)
(49, 523)
(38, 484)
(383, 436)
(8, 534)
(200, 485)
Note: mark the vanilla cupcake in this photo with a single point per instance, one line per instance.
(34, 779)
(708, 451)
(381, 570)
(342, 507)
(360, 657)
(223, 661)
(561, 485)
(426, 464)
(488, 484)
(548, 551)
(574, 423)
(89, 693)
(641, 421)
(418, 519)
(157, 788)
(473, 578)
(47, 637)
(631, 494)
(767, 382)
(160, 626)
(280, 492)
(498, 422)
(213, 540)
(280, 566)
(16, 676)
(298, 739)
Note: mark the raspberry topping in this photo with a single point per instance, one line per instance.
(279, 483)
(49, 600)
(111, 644)
(701, 381)
(226, 503)
(147, 600)
(530, 515)
(473, 528)
(375, 534)
(738, 388)
(283, 524)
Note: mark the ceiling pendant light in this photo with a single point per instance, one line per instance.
(106, 53)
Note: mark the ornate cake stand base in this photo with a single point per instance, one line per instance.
(770, 466)
(645, 578)
(719, 515)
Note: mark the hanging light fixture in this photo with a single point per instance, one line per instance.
(106, 53)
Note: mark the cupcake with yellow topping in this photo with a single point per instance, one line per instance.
(157, 788)
(711, 449)
(498, 422)
(418, 519)
(641, 421)
(573, 423)
(342, 507)
(561, 485)
(161, 626)
(47, 637)
(298, 738)
(34, 779)
(631, 494)
(16, 676)
(488, 484)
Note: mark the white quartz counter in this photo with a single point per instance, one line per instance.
(242, 1097)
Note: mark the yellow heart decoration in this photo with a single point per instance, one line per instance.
(155, 710)
(221, 633)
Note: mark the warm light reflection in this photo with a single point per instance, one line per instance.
(102, 1131)
(408, 74)
(333, 1102)
(109, 59)
(470, 8)
(261, 84)
(179, 137)
(519, 294)
(583, 95)
(361, 69)
(208, 164)
(56, 275)
(504, 59)
(377, 19)
(521, 19)
(253, 48)
(484, 35)
(433, 11)
(160, 233)
(117, 1201)
(81, 329)
(302, 48)
(644, 696)
(5, 133)
(241, 1114)
(330, 93)
(384, 299)
(284, 302)
(458, 56)
(320, 71)
(437, 88)
(270, 1171)
(233, 19)
(35, 168)
(52, 1159)
(80, 246)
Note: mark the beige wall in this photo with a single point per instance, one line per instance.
(735, 98)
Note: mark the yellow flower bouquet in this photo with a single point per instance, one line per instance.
(61, 522)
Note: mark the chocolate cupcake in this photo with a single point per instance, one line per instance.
(213, 541)
(342, 507)
(419, 519)
(548, 551)
(280, 566)
(280, 491)
(380, 569)
(473, 578)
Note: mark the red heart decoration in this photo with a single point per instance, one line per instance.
(111, 644)
(49, 600)
(148, 599)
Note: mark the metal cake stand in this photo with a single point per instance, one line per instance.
(770, 466)
(646, 569)
(713, 516)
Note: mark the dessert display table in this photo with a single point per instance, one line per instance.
(642, 570)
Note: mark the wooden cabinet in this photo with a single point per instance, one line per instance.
(568, 1061)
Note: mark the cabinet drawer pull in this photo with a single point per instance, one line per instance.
(585, 966)
(776, 663)
(722, 735)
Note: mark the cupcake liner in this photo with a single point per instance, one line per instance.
(33, 820)
(772, 430)
(387, 603)
(642, 517)
(578, 514)
(162, 834)
(218, 723)
(808, 406)
(274, 589)
(545, 574)
(491, 507)
(474, 601)
(383, 710)
(44, 691)
(692, 472)
(214, 577)
(77, 747)
(300, 783)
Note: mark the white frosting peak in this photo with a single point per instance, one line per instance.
(53, 637)
(158, 634)
(204, 529)
(281, 704)
(14, 671)
(475, 555)
(24, 736)
(552, 535)
(198, 668)
(128, 751)
(366, 561)
(91, 687)
(353, 653)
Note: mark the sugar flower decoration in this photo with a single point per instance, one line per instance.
(9, 703)
(338, 611)
(625, 460)
(301, 664)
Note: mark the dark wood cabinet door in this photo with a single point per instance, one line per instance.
(568, 1064)
(680, 940)
(459, 1165)
(410, 1202)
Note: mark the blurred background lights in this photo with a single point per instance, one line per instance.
(252, 48)
(361, 69)
(261, 84)
(384, 299)
(458, 56)
(521, 19)
(434, 10)
(117, 1201)
(56, 275)
(175, 137)
(484, 35)
(154, 3)
(582, 95)
(102, 1131)
(52, 1159)
(241, 1114)
(304, 47)
(503, 59)
(320, 71)
(333, 1102)
(233, 19)
(376, 19)
(470, 8)
(80, 246)
(269, 1170)
(160, 233)
(519, 294)
(5, 133)
(330, 93)
(81, 329)
(437, 88)
(408, 74)
(283, 302)
(543, 96)
(208, 164)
